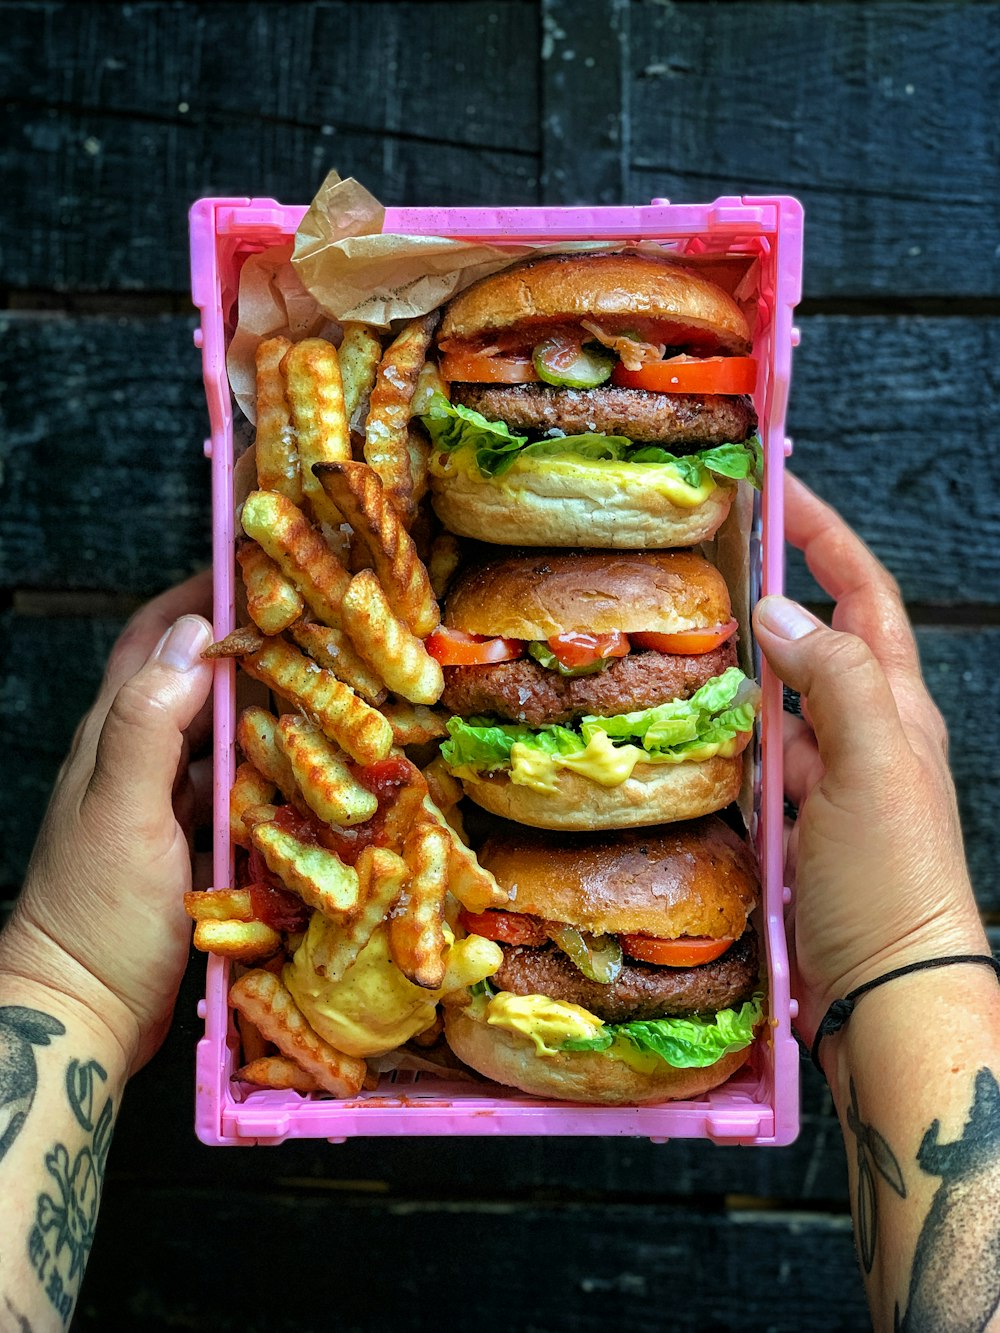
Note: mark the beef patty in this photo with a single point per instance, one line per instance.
(642, 990)
(695, 420)
(525, 691)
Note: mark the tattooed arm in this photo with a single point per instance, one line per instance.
(875, 857)
(92, 957)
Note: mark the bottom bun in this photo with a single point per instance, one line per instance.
(576, 1076)
(654, 794)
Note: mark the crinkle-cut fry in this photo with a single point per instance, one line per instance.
(382, 875)
(218, 905)
(453, 818)
(357, 491)
(276, 451)
(473, 886)
(406, 809)
(255, 1046)
(328, 786)
(442, 564)
(359, 354)
(414, 724)
(364, 733)
(244, 941)
(279, 1072)
(268, 1004)
(387, 645)
(299, 550)
(272, 601)
(316, 399)
(387, 428)
(250, 787)
(257, 737)
(416, 932)
(319, 877)
(241, 642)
(443, 787)
(333, 650)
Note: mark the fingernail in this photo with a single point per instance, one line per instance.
(786, 618)
(181, 646)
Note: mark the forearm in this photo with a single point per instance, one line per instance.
(915, 1077)
(61, 1080)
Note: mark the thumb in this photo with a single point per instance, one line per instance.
(141, 740)
(851, 706)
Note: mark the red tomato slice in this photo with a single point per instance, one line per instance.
(712, 374)
(511, 927)
(690, 641)
(487, 368)
(577, 650)
(453, 647)
(688, 951)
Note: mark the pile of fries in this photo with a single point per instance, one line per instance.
(332, 816)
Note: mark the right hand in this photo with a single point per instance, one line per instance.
(875, 856)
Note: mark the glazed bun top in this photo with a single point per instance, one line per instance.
(613, 287)
(540, 593)
(694, 878)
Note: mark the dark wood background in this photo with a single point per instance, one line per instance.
(881, 117)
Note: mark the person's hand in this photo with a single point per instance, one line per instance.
(875, 856)
(101, 915)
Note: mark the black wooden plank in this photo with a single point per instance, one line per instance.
(585, 101)
(879, 117)
(120, 116)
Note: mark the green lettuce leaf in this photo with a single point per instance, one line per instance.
(485, 746)
(684, 1043)
(452, 426)
(595, 447)
(740, 462)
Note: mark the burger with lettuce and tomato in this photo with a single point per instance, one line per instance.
(630, 970)
(594, 400)
(594, 689)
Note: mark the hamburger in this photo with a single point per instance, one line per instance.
(594, 689)
(597, 400)
(630, 972)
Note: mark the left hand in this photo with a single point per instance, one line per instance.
(101, 915)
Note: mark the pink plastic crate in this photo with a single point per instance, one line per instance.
(760, 1104)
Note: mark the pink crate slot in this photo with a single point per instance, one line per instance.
(760, 1105)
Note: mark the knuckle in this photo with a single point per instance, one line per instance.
(134, 706)
(847, 654)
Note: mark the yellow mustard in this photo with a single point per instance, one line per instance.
(547, 1023)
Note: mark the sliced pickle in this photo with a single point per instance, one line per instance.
(599, 957)
(567, 364)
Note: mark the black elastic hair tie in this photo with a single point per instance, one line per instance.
(840, 1011)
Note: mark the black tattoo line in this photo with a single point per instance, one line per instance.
(871, 1145)
(59, 1241)
(19, 1030)
(955, 1280)
(23, 1324)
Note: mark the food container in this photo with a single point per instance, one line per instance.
(759, 1105)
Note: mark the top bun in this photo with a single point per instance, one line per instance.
(695, 878)
(541, 593)
(602, 286)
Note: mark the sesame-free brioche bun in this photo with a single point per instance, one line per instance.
(576, 1076)
(696, 878)
(572, 503)
(538, 594)
(627, 285)
(654, 794)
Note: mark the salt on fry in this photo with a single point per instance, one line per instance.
(316, 400)
(277, 1071)
(416, 932)
(218, 905)
(243, 941)
(328, 786)
(388, 422)
(359, 354)
(272, 601)
(356, 490)
(276, 452)
(333, 650)
(270, 1007)
(414, 724)
(381, 874)
(387, 645)
(406, 809)
(299, 550)
(443, 561)
(364, 733)
(250, 787)
(257, 737)
(319, 877)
